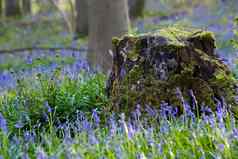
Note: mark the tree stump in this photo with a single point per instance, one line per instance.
(148, 69)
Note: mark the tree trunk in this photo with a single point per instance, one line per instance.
(136, 8)
(107, 18)
(12, 8)
(26, 6)
(1, 8)
(82, 17)
(148, 69)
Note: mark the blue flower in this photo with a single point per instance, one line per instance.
(49, 109)
(41, 154)
(96, 117)
(3, 124)
(19, 125)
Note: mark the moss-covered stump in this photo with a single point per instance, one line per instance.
(149, 68)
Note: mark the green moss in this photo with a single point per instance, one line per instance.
(189, 55)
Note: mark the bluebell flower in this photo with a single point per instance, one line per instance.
(150, 111)
(25, 156)
(29, 59)
(235, 133)
(131, 130)
(29, 137)
(15, 140)
(119, 152)
(194, 100)
(3, 124)
(92, 139)
(112, 125)
(86, 126)
(49, 109)
(206, 109)
(137, 113)
(41, 154)
(221, 147)
(160, 147)
(19, 125)
(96, 117)
(164, 128)
(141, 156)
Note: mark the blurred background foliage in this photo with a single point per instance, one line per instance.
(52, 22)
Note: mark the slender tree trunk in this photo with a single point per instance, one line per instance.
(12, 8)
(82, 17)
(26, 6)
(136, 8)
(1, 8)
(107, 18)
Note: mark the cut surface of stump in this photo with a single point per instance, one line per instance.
(149, 68)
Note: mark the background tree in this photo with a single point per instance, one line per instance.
(136, 8)
(26, 6)
(107, 18)
(82, 17)
(12, 8)
(1, 8)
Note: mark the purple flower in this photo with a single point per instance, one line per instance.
(131, 130)
(160, 147)
(41, 154)
(29, 60)
(150, 111)
(15, 140)
(86, 126)
(186, 106)
(112, 126)
(168, 111)
(164, 128)
(119, 153)
(96, 117)
(149, 136)
(212, 121)
(25, 156)
(137, 113)
(206, 110)
(92, 139)
(49, 109)
(141, 156)
(194, 100)
(220, 115)
(221, 147)
(29, 137)
(122, 72)
(3, 124)
(19, 125)
(235, 133)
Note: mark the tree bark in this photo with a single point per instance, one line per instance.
(26, 6)
(12, 8)
(148, 69)
(136, 8)
(1, 8)
(82, 17)
(107, 18)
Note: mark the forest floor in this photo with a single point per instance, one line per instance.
(51, 103)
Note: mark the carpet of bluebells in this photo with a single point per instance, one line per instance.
(52, 105)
